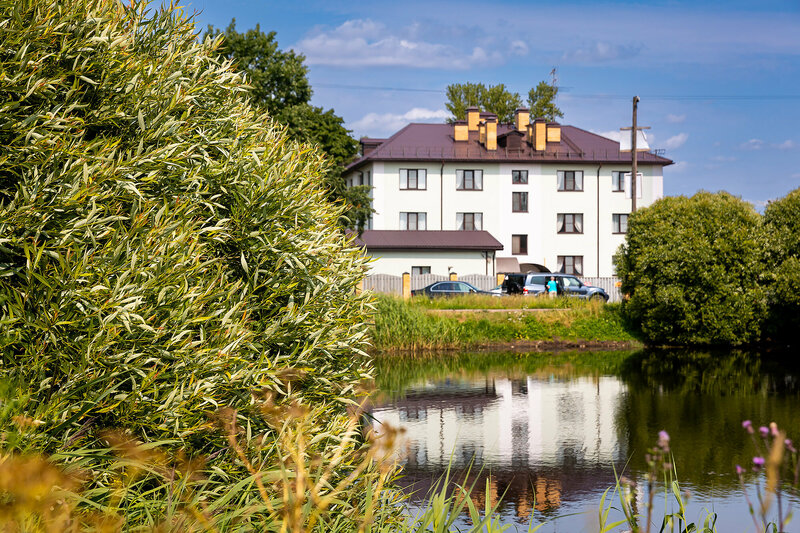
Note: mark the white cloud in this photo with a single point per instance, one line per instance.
(796, 175)
(752, 144)
(384, 123)
(675, 119)
(676, 141)
(724, 158)
(365, 43)
(788, 145)
(601, 51)
(519, 48)
(679, 166)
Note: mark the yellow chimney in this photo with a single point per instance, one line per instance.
(491, 134)
(522, 118)
(553, 132)
(461, 131)
(473, 115)
(482, 131)
(539, 134)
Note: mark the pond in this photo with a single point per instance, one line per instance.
(549, 430)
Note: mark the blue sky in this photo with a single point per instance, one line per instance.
(719, 82)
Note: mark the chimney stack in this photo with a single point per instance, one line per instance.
(553, 132)
(491, 133)
(522, 117)
(539, 135)
(460, 130)
(473, 115)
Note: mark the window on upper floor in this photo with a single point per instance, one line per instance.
(621, 182)
(519, 202)
(619, 223)
(413, 178)
(519, 177)
(413, 221)
(570, 180)
(519, 245)
(420, 270)
(469, 221)
(569, 222)
(570, 264)
(469, 180)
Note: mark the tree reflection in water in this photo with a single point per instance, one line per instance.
(551, 428)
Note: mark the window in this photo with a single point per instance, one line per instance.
(519, 202)
(519, 177)
(469, 180)
(519, 245)
(621, 182)
(570, 222)
(570, 180)
(469, 221)
(420, 270)
(571, 264)
(412, 221)
(413, 178)
(618, 181)
(619, 223)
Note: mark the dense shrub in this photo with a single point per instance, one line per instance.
(782, 225)
(692, 268)
(164, 249)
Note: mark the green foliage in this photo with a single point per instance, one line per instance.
(280, 86)
(411, 325)
(165, 250)
(492, 99)
(499, 100)
(782, 225)
(692, 268)
(542, 102)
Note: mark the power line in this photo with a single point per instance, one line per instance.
(598, 96)
(373, 88)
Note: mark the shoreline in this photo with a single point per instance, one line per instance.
(526, 346)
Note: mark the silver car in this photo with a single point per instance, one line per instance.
(567, 285)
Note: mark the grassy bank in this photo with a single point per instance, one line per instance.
(418, 324)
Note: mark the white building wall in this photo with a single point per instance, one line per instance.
(441, 201)
(396, 262)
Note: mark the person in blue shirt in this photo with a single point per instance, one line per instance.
(552, 288)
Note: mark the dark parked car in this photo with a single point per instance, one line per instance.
(535, 283)
(447, 288)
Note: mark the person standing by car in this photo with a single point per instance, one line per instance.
(552, 288)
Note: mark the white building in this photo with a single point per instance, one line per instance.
(554, 196)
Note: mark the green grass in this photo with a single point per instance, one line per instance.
(483, 301)
(419, 324)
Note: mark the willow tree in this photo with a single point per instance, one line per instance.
(164, 249)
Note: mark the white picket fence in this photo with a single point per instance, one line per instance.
(388, 284)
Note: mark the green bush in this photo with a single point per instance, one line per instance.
(164, 249)
(692, 268)
(782, 224)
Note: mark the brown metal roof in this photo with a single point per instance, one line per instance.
(435, 142)
(430, 240)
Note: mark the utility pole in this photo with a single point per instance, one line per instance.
(634, 166)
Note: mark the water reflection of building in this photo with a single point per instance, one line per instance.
(536, 435)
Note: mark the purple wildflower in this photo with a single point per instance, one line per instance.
(789, 446)
(748, 426)
(663, 438)
(739, 470)
(764, 430)
(758, 461)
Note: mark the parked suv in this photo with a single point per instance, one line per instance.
(535, 283)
